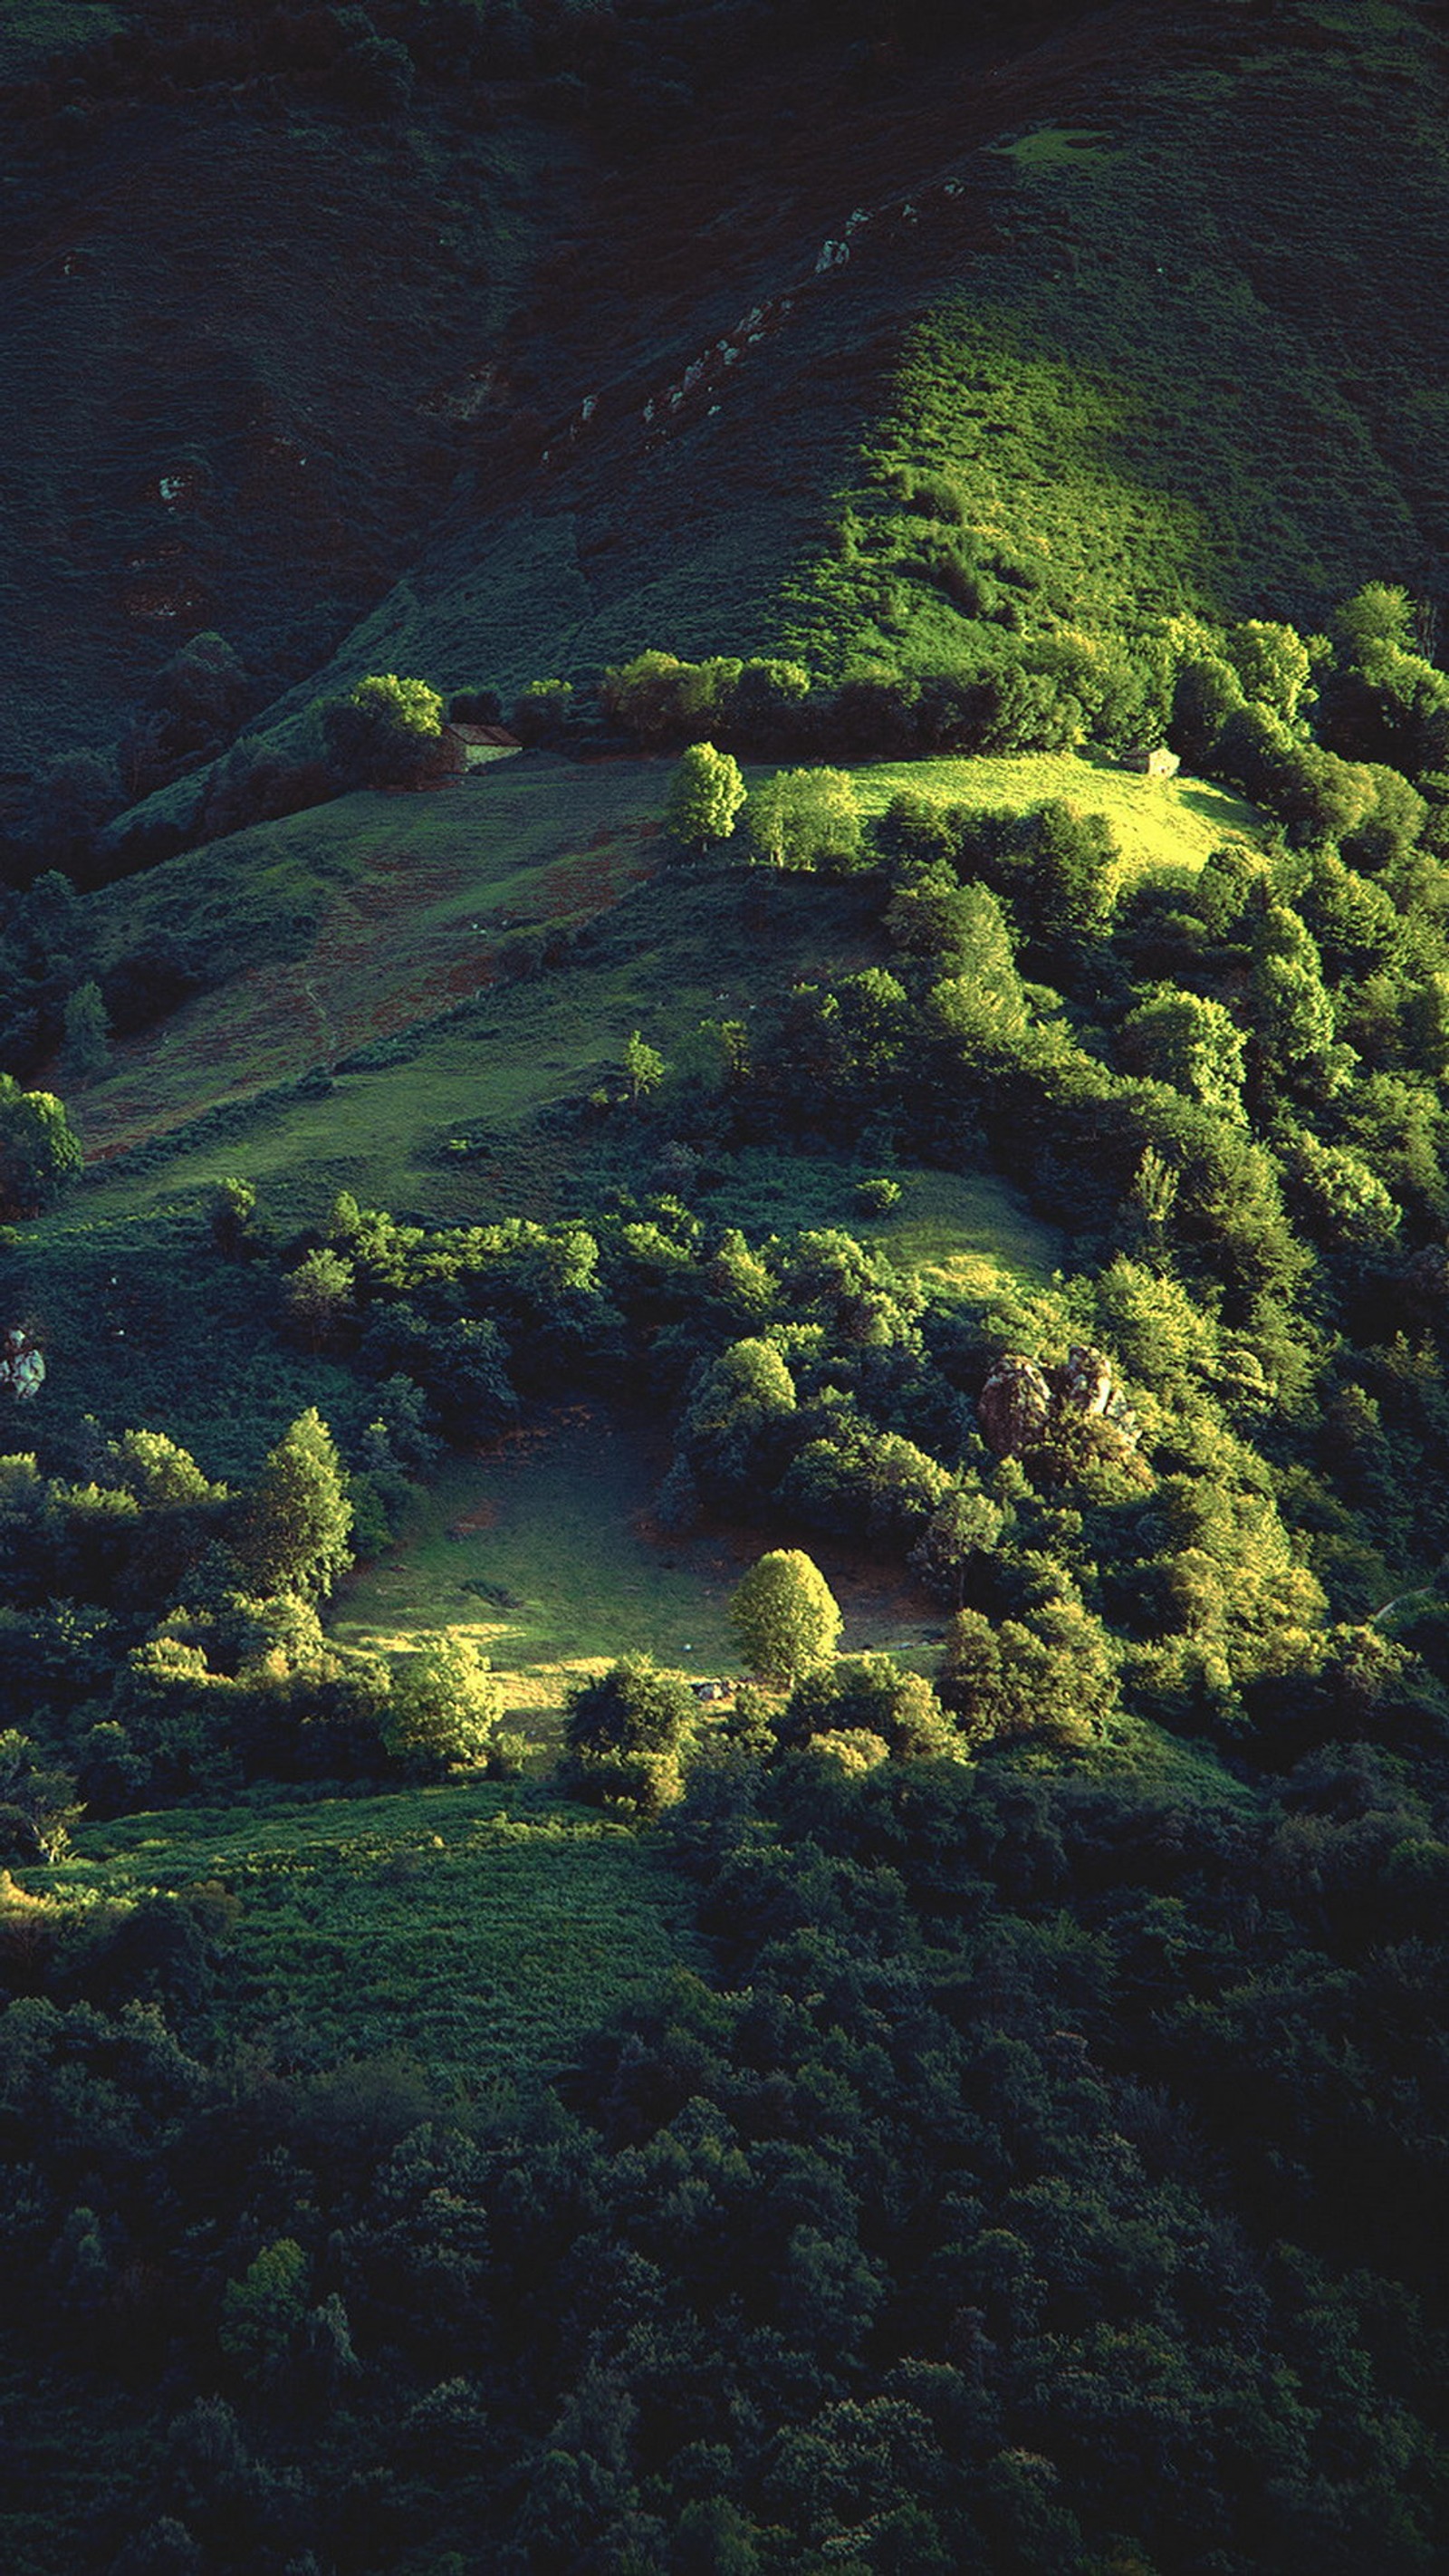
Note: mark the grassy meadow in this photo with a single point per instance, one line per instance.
(1164, 827)
(464, 1934)
(544, 1551)
(367, 1005)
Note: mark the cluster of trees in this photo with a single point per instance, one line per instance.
(160, 1636)
(1047, 2179)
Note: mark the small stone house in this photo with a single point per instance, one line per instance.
(1158, 762)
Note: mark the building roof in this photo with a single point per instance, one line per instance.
(485, 736)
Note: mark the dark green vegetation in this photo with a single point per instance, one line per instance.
(526, 2044)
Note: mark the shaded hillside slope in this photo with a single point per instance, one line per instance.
(229, 328)
(1126, 288)
(1163, 301)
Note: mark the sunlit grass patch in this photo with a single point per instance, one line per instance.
(545, 1553)
(965, 1234)
(1164, 827)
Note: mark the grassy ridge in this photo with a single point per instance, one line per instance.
(352, 923)
(1164, 827)
(1198, 371)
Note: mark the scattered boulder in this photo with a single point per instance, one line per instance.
(22, 1365)
(1085, 1384)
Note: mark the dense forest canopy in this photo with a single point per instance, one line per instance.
(926, 1055)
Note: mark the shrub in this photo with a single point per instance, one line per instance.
(38, 1150)
(804, 818)
(445, 1707)
(626, 1733)
(381, 735)
(869, 1695)
(705, 795)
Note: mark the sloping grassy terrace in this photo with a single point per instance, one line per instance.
(470, 1932)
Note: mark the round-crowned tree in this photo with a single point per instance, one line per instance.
(786, 1615)
(705, 795)
(445, 1706)
(38, 1149)
(381, 734)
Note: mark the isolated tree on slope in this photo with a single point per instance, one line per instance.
(787, 1617)
(626, 1733)
(38, 1150)
(446, 1705)
(705, 795)
(294, 1534)
(644, 1067)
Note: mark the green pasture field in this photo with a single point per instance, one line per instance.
(544, 1551)
(966, 1235)
(422, 1048)
(471, 1934)
(338, 932)
(962, 1232)
(1165, 828)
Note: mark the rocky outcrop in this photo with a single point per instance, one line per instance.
(22, 1365)
(1014, 1406)
(1020, 1403)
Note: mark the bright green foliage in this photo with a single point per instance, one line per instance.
(261, 2312)
(1190, 1041)
(870, 1695)
(381, 734)
(1053, 1678)
(38, 1149)
(787, 1617)
(1292, 1008)
(87, 1050)
(1379, 614)
(446, 1705)
(705, 796)
(643, 1067)
(1339, 1200)
(804, 818)
(661, 699)
(1273, 664)
(294, 1535)
(319, 1294)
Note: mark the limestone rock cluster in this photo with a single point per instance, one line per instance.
(1020, 1402)
(22, 1365)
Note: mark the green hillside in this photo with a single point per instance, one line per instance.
(724, 1649)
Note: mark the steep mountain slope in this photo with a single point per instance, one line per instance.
(1124, 288)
